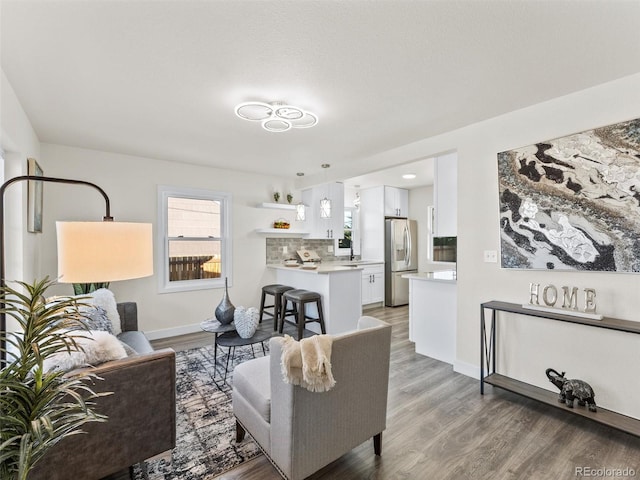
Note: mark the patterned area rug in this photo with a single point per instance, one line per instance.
(205, 445)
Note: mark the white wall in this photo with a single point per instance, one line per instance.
(19, 142)
(608, 360)
(131, 183)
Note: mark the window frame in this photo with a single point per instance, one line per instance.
(162, 259)
(355, 234)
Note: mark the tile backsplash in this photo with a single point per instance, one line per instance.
(275, 255)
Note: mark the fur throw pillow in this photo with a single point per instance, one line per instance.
(94, 347)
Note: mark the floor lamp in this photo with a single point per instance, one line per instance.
(88, 252)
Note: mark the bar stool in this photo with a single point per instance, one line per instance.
(299, 298)
(276, 290)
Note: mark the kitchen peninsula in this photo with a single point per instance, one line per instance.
(340, 287)
(432, 314)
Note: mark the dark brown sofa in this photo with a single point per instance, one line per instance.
(141, 411)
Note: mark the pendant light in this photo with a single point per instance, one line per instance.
(325, 203)
(300, 212)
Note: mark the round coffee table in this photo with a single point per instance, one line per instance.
(214, 326)
(231, 340)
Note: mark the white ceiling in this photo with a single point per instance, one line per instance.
(160, 79)
(422, 169)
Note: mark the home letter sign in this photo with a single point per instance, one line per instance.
(569, 297)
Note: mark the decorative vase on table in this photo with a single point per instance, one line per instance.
(246, 321)
(225, 309)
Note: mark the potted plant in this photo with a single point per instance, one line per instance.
(86, 288)
(39, 408)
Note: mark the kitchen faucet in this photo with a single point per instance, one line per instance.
(351, 256)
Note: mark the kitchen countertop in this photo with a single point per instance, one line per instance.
(444, 276)
(328, 267)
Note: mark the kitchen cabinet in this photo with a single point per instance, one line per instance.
(432, 314)
(373, 284)
(445, 193)
(375, 204)
(323, 228)
(396, 202)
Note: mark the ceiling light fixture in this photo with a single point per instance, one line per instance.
(277, 116)
(409, 176)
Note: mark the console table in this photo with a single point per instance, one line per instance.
(488, 348)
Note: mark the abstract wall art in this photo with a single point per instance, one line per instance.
(573, 203)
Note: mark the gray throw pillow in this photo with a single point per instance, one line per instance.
(129, 349)
(96, 319)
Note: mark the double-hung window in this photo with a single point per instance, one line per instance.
(195, 237)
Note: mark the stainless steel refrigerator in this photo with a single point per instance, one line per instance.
(400, 258)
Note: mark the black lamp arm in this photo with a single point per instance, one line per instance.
(107, 218)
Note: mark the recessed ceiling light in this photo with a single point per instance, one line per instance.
(300, 174)
(409, 176)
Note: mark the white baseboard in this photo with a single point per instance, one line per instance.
(172, 332)
(467, 369)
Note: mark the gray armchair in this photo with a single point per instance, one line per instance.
(300, 431)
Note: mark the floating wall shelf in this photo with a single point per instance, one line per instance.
(282, 231)
(277, 206)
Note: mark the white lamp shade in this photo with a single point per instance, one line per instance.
(91, 252)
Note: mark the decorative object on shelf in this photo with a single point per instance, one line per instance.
(281, 223)
(276, 196)
(569, 301)
(246, 321)
(570, 203)
(289, 198)
(277, 116)
(301, 214)
(225, 309)
(571, 390)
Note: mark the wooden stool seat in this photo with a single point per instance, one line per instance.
(276, 290)
(299, 298)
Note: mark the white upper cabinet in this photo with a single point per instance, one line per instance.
(445, 193)
(396, 202)
(375, 204)
(324, 228)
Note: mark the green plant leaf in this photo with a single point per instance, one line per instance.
(38, 408)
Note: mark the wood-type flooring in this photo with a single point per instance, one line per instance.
(439, 427)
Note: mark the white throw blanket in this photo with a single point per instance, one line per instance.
(308, 362)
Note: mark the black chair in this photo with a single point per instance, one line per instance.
(276, 290)
(299, 298)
